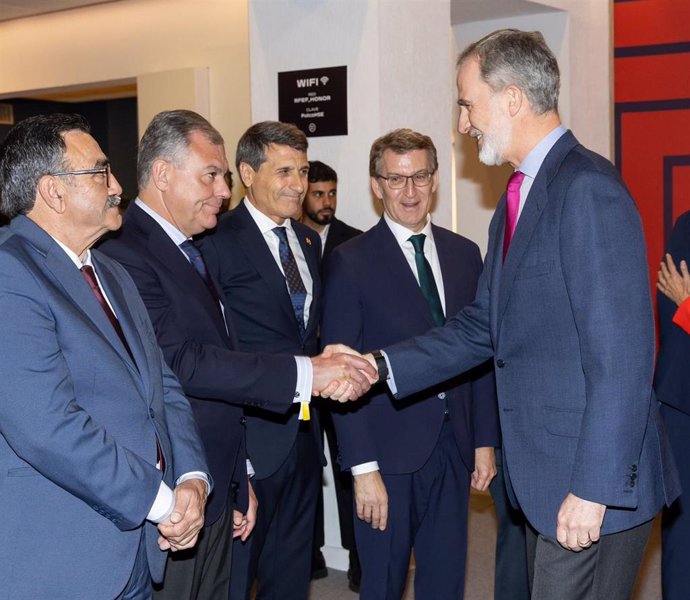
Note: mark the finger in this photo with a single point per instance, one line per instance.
(163, 543)
(684, 269)
(383, 520)
(360, 510)
(368, 510)
(671, 265)
(594, 534)
(375, 516)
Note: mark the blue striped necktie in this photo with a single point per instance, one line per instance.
(298, 293)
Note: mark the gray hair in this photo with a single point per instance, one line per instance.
(167, 137)
(401, 141)
(33, 148)
(251, 148)
(521, 58)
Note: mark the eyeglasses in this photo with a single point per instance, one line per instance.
(397, 182)
(105, 170)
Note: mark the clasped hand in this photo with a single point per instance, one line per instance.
(181, 529)
(342, 374)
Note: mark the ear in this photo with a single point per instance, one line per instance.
(434, 181)
(515, 98)
(52, 192)
(247, 174)
(376, 187)
(160, 173)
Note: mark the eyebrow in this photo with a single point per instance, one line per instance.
(463, 102)
(102, 162)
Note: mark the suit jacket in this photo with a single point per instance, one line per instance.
(259, 306)
(672, 378)
(573, 368)
(372, 299)
(78, 425)
(217, 379)
(338, 233)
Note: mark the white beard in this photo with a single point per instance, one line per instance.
(496, 141)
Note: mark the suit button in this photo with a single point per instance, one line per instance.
(442, 395)
(633, 468)
(500, 363)
(243, 420)
(152, 414)
(633, 477)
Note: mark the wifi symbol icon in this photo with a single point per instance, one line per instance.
(324, 80)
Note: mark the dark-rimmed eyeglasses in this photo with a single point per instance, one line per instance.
(397, 182)
(104, 170)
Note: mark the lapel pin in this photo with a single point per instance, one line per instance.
(308, 240)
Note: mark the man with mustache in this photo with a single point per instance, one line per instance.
(97, 442)
(585, 455)
(181, 174)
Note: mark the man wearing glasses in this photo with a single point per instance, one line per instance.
(95, 432)
(400, 279)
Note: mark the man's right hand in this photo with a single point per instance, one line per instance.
(342, 374)
(371, 499)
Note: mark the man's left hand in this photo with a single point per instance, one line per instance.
(181, 530)
(243, 524)
(579, 523)
(484, 468)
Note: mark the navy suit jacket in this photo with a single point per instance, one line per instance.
(338, 233)
(672, 379)
(259, 306)
(189, 324)
(568, 319)
(372, 299)
(78, 425)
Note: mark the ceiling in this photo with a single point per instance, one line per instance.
(16, 9)
(464, 11)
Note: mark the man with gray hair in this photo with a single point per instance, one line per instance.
(585, 455)
(181, 168)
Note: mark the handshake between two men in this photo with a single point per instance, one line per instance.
(343, 374)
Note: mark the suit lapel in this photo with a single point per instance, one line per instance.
(535, 204)
(314, 263)
(258, 254)
(451, 285)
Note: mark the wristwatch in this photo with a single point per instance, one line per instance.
(381, 365)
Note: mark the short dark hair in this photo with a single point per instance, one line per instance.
(32, 149)
(251, 148)
(401, 141)
(521, 58)
(167, 136)
(319, 171)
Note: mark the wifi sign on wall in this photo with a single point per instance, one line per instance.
(315, 100)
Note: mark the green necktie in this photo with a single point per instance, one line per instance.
(426, 279)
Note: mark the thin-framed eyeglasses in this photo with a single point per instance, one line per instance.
(397, 182)
(104, 170)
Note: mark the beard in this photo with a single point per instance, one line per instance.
(321, 217)
(495, 139)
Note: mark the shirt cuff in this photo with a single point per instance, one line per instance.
(163, 504)
(250, 469)
(368, 467)
(196, 475)
(305, 379)
(391, 379)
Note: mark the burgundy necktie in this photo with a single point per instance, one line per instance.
(512, 207)
(90, 276)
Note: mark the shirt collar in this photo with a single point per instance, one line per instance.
(532, 162)
(73, 255)
(173, 232)
(402, 234)
(263, 222)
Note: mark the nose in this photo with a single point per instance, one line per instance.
(221, 188)
(463, 121)
(409, 189)
(299, 182)
(114, 187)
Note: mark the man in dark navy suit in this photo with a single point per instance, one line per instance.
(268, 268)
(181, 168)
(412, 462)
(318, 212)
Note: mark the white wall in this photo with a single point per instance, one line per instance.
(391, 81)
(131, 38)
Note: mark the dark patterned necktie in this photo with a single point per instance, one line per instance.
(426, 279)
(197, 261)
(298, 293)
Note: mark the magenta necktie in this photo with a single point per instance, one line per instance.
(512, 207)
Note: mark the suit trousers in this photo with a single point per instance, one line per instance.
(604, 571)
(202, 572)
(511, 581)
(278, 552)
(675, 531)
(427, 510)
